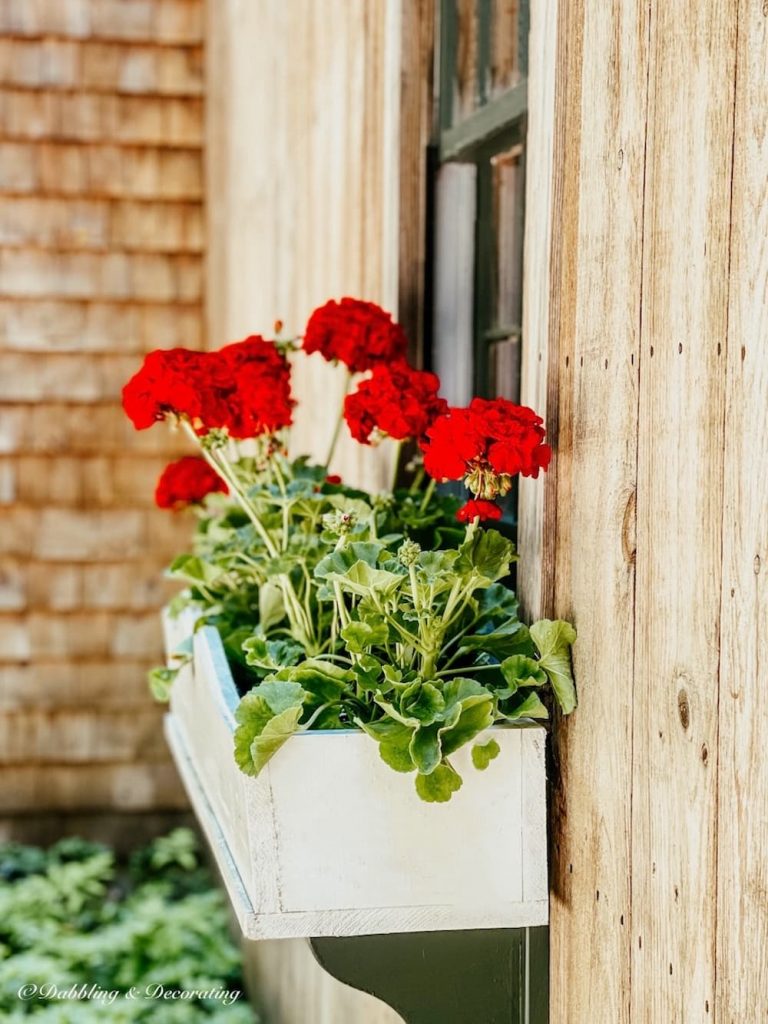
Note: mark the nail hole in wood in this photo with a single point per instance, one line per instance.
(632, 359)
(567, 361)
(680, 348)
(704, 753)
(640, 941)
(756, 565)
(733, 592)
(581, 361)
(743, 353)
(606, 364)
(719, 348)
(621, 920)
(597, 894)
(670, 968)
(651, 351)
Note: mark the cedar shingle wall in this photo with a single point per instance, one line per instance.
(101, 232)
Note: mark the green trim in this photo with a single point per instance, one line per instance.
(462, 141)
(461, 977)
(449, 40)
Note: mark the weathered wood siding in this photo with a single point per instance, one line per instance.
(317, 123)
(318, 116)
(101, 235)
(648, 316)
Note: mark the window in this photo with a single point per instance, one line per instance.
(479, 196)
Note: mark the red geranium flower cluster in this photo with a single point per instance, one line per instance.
(485, 445)
(478, 510)
(244, 388)
(395, 401)
(359, 334)
(186, 482)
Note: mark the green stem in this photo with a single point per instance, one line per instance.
(339, 421)
(396, 463)
(427, 496)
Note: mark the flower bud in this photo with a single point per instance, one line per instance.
(339, 522)
(408, 553)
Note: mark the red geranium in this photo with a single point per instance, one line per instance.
(478, 510)
(396, 401)
(244, 388)
(186, 482)
(486, 445)
(169, 381)
(258, 396)
(359, 334)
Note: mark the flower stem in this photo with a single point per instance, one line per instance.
(427, 496)
(339, 421)
(396, 463)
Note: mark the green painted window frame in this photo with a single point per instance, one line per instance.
(494, 127)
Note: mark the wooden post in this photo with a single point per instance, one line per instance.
(643, 313)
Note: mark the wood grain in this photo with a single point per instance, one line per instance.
(679, 509)
(742, 883)
(595, 369)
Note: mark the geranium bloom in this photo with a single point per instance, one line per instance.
(186, 482)
(358, 334)
(486, 445)
(169, 381)
(395, 401)
(244, 388)
(478, 510)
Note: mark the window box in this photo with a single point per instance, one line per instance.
(328, 840)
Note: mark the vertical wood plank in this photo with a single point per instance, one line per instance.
(679, 503)
(594, 376)
(742, 884)
(540, 214)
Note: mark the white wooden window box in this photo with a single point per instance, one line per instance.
(329, 840)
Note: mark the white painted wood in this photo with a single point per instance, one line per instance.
(454, 281)
(330, 841)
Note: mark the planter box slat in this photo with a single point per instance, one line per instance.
(328, 840)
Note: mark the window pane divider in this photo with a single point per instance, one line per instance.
(461, 141)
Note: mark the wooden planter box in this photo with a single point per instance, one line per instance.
(328, 840)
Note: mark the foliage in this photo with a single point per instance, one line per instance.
(72, 916)
(342, 609)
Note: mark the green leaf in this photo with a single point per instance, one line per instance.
(271, 654)
(359, 636)
(252, 714)
(271, 606)
(261, 732)
(530, 706)
(341, 561)
(484, 753)
(273, 736)
(194, 569)
(553, 640)
(160, 681)
(519, 671)
(477, 714)
(512, 637)
(394, 741)
(440, 785)
(281, 694)
(324, 680)
(425, 748)
(424, 701)
(487, 553)
(361, 578)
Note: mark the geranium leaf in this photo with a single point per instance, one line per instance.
(519, 671)
(512, 637)
(359, 636)
(273, 736)
(394, 741)
(424, 701)
(440, 785)
(342, 560)
(530, 706)
(553, 640)
(484, 753)
(477, 713)
(281, 694)
(252, 714)
(487, 553)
